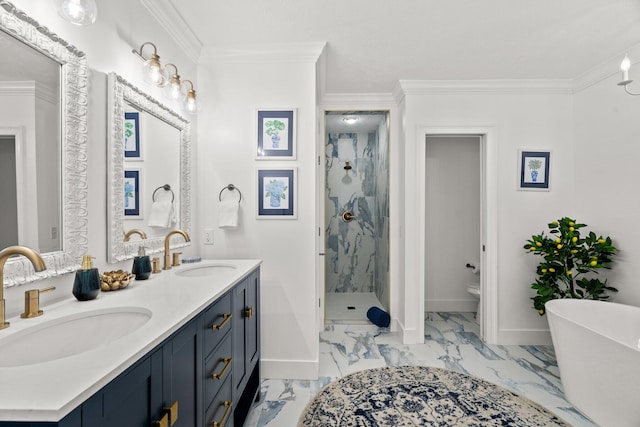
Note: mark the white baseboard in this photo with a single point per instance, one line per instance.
(409, 335)
(289, 369)
(455, 305)
(524, 337)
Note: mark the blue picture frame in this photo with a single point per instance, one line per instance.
(276, 193)
(534, 170)
(131, 188)
(132, 135)
(276, 134)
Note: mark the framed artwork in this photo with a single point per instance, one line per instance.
(277, 193)
(132, 136)
(534, 170)
(132, 188)
(276, 134)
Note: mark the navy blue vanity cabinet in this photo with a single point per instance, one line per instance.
(246, 345)
(182, 362)
(133, 399)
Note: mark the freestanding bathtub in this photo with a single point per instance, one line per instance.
(597, 348)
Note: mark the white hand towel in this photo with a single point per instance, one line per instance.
(161, 214)
(228, 214)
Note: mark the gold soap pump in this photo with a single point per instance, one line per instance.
(86, 285)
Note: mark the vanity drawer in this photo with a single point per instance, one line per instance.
(221, 409)
(217, 322)
(219, 364)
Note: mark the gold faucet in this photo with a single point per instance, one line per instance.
(132, 232)
(167, 264)
(32, 255)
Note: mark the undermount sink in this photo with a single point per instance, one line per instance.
(69, 335)
(206, 270)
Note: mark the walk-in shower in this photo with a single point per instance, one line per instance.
(356, 214)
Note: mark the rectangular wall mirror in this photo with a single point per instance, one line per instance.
(43, 135)
(149, 158)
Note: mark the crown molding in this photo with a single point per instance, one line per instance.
(289, 52)
(18, 88)
(173, 23)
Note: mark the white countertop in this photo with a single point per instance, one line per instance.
(49, 391)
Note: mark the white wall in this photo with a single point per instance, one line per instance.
(536, 118)
(120, 27)
(607, 154)
(233, 90)
(452, 222)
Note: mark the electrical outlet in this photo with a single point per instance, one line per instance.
(208, 236)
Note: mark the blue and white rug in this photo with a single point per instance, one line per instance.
(421, 396)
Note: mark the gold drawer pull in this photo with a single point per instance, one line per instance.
(227, 317)
(248, 312)
(227, 363)
(164, 421)
(173, 413)
(227, 411)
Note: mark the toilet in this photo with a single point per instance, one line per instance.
(474, 289)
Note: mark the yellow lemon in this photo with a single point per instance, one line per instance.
(593, 263)
(569, 272)
(544, 270)
(571, 228)
(601, 240)
(541, 312)
(532, 248)
(538, 244)
(574, 251)
(555, 252)
(571, 224)
(559, 246)
(575, 239)
(552, 270)
(555, 223)
(558, 240)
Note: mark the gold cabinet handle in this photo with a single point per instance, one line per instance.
(227, 317)
(248, 312)
(173, 413)
(227, 411)
(164, 421)
(227, 363)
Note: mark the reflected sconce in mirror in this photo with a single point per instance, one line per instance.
(625, 66)
(174, 89)
(153, 71)
(78, 12)
(191, 105)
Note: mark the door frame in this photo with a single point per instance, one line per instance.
(488, 218)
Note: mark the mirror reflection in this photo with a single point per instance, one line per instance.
(149, 189)
(30, 148)
(152, 173)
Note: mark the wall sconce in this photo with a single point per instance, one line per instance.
(78, 12)
(191, 105)
(174, 89)
(625, 65)
(153, 71)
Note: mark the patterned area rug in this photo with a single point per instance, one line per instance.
(421, 396)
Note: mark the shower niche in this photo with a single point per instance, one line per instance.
(356, 214)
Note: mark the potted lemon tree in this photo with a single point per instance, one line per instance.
(571, 259)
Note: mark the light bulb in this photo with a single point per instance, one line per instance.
(78, 12)
(625, 65)
(191, 105)
(153, 72)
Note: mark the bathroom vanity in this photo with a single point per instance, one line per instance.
(179, 349)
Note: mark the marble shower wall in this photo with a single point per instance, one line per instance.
(353, 250)
(382, 214)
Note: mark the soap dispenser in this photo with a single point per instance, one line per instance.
(141, 265)
(86, 286)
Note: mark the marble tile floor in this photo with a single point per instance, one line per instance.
(452, 342)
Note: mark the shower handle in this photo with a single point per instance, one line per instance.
(347, 216)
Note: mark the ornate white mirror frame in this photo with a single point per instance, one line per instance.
(121, 93)
(73, 113)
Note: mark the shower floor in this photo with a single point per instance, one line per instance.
(349, 307)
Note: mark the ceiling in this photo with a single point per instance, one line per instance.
(371, 44)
